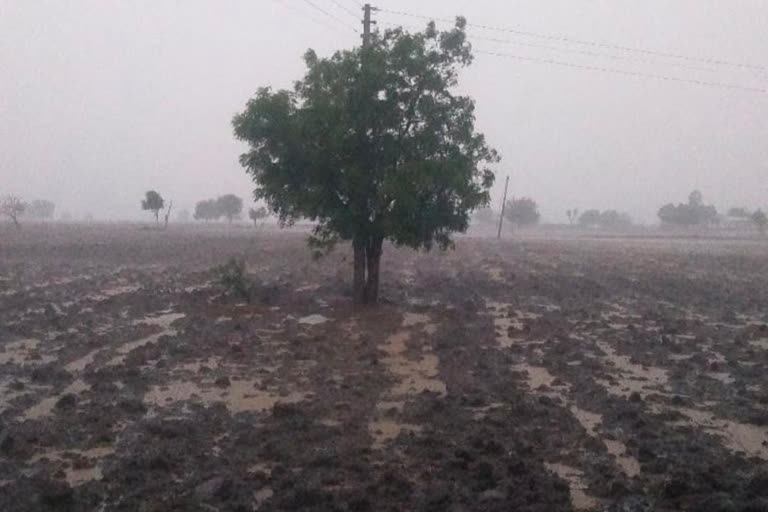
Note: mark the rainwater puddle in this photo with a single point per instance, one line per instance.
(738, 437)
(580, 500)
(386, 430)
(240, 396)
(78, 476)
(590, 420)
(24, 352)
(632, 377)
(45, 407)
(164, 321)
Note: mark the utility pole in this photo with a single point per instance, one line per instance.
(367, 23)
(503, 204)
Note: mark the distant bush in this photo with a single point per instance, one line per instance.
(693, 213)
(523, 211)
(232, 276)
(607, 219)
(760, 220)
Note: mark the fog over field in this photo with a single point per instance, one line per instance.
(101, 101)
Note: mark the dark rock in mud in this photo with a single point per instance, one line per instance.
(54, 494)
(222, 382)
(66, 402)
(631, 503)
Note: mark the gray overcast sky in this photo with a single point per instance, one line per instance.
(101, 100)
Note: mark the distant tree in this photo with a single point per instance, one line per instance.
(695, 212)
(611, 219)
(739, 213)
(573, 215)
(168, 213)
(183, 216)
(590, 218)
(523, 211)
(484, 216)
(40, 209)
(230, 206)
(154, 203)
(12, 207)
(760, 220)
(207, 210)
(373, 144)
(257, 215)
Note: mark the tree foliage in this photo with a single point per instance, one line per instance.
(229, 206)
(258, 214)
(739, 213)
(760, 220)
(607, 219)
(206, 210)
(153, 202)
(40, 209)
(372, 144)
(12, 207)
(523, 211)
(695, 212)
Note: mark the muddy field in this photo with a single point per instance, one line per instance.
(526, 375)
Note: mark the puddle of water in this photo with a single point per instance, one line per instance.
(240, 396)
(78, 365)
(590, 420)
(24, 352)
(45, 407)
(416, 375)
(739, 437)
(386, 430)
(411, 319)
(537, 376)
(580, 500)
(113, 291)
(261, 496)
(212, 362)
(495, 273)
(679, 357)
(164, 321)
(78, 476)
(632, 377)
(724, 377)
(761, 343)
(313, 319)
(307, 288)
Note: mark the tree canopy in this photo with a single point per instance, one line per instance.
(40, 209)
(695, 212)
(153, 202)
(373, 143)
(258, 214)
(207, 210)
(12, 207)
(229, 206)
(760, 220)
(523, 211)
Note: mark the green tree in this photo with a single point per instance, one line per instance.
(372, 144)
(207, 210)
(523, 211)
(760, 220)
(258, 215)
(590, 218)
(154, 203)
(229, 206)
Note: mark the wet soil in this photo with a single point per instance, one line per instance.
(534, 375)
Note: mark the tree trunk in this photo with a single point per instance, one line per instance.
(157, 217)
(373, 257)
(358, 282)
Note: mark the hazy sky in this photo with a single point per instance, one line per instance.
(102, 100)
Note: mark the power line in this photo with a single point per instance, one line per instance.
(571, 40)
(346, 9)
(571, 50)
(332, 16)
(623, 72)
(309, 16)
